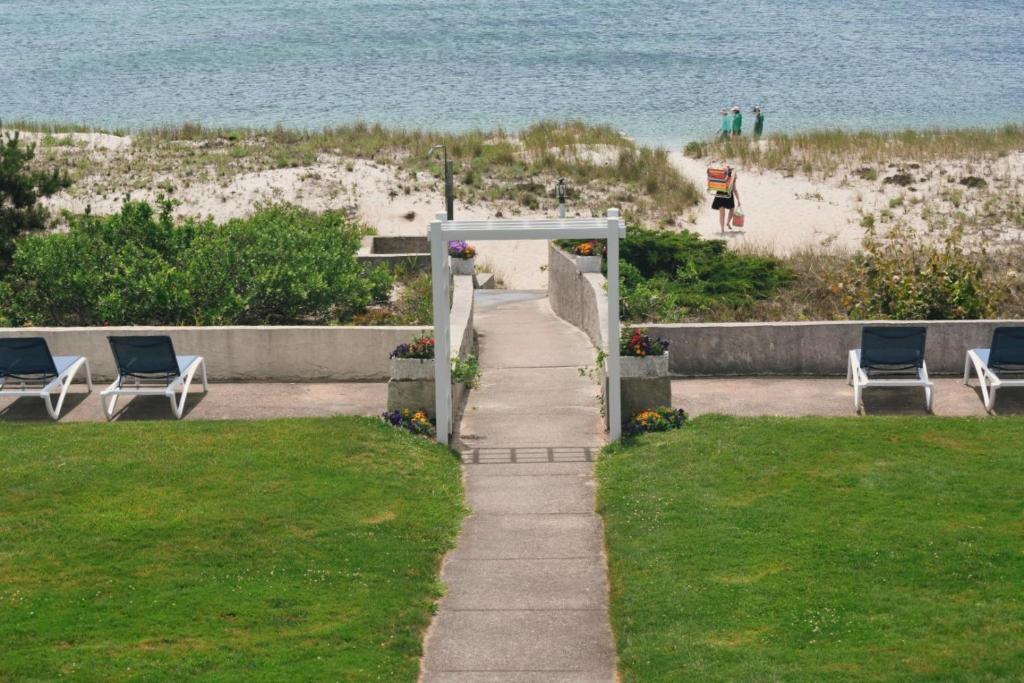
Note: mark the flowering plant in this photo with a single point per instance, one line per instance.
(416, 422)
(656, 420)
(638, 343)
(591, 248)
(421, 347)
(461, 249)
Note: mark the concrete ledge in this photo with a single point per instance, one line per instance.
(249, 354)
(400, 244)
(806, 348)
(578, 298)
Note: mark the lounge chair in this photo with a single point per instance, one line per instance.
(1000, 365)
(889, 357)
(154, 370)
(37, 372)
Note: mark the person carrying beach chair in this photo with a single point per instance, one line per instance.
(722, 183)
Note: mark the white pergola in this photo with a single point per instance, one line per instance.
(612, 228)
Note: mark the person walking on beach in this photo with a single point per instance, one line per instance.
(726, 124)
(737, 121)
(758, 122)
(727, 201)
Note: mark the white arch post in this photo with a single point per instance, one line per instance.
(611, 228)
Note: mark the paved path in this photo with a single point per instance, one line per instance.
(527, 593)
(232, 401)
(791, 397)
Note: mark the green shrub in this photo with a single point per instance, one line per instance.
(282, 265)
(904, 277)
(670, 275)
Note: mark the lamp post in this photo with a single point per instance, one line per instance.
(449, 181)
(561, 192)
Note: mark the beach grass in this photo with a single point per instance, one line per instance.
(519, 168)
(826, 152)
(302, 549)
(817, 549)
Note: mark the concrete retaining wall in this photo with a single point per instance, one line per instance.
(242, 353)
(579, 298)
(806, 348)
(461, 321)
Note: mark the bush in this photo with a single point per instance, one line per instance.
(904, 277)
(282, 265)
(670, 275)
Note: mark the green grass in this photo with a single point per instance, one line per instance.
(277, 550)
(818, 549)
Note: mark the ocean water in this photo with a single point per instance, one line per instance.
(658, 69)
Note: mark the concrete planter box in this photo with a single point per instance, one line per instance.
(412, 369)
(412, 386)
(645, 384)
(463, 266)
(587, 264)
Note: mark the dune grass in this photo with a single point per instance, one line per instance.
(824, 152)
(817, 549)
(602, 166)
(277, 550)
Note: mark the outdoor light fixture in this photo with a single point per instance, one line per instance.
(561, 192)
(449, 181)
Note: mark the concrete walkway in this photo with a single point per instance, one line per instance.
(799, 396)
(233, 401)
(527, 592)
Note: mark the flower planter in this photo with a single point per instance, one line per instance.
(409, 369)
(463, 266)
(412, 386)
(645, 384)
(587, 264)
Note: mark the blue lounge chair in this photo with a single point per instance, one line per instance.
(28, 363)
(1001, 365)
(153, 369)
(889, 357)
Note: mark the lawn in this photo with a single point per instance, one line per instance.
(278, 550)
(818, 549)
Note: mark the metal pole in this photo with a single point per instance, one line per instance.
(449, 186)
(561, 197)
(442, 351)
(612, 362)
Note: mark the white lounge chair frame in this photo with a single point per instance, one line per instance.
(990, 382)
(859, 380)
(67, 368)
(187, 367)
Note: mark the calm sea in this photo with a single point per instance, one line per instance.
(658, 69)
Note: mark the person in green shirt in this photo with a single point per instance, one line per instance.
(737, 121)
(726, 124)
(758, 122)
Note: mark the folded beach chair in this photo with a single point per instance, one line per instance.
(720, 180)
(889, 357)
(153, 369)
(1000, 365)
(28, 363)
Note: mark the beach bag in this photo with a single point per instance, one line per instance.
(720, 180)
(737, 218)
